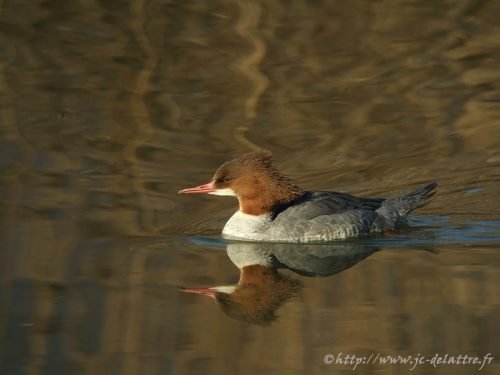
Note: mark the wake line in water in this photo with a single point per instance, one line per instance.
(472, 233)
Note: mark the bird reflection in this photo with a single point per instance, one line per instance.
(262, 289)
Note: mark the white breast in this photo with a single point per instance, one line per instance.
(244, 226)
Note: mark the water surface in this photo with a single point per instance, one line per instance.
(108, 108)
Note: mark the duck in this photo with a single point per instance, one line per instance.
(273, 208)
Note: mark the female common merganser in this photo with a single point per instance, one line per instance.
(273, 208)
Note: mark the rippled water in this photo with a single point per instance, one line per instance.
(108, 108)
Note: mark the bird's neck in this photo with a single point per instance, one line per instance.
(267, 197)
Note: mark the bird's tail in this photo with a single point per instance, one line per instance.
(394, 209)
(415, 199)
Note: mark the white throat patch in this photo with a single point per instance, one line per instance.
(226, 191)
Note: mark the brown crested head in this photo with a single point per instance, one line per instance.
(256, 182)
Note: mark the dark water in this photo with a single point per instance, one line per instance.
(107, 108)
